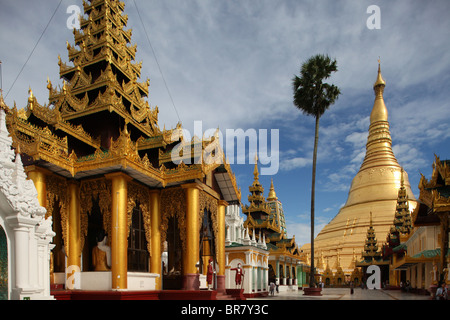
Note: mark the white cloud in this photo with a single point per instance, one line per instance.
(302, 231)
(294, 163)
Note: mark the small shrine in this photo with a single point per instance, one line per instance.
(433, 211)
(265, 222)
(247, 259)
(371, 255)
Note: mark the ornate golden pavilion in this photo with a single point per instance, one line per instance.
(433, 210)
(373, 189)
(101, 163)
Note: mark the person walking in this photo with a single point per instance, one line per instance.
(272, 288)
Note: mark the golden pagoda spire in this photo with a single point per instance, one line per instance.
(379, 111)
(272, 195)
(379, 142)
(255, 171)
(380, 81)
(374, 188)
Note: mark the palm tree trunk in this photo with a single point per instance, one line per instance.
(313, 187)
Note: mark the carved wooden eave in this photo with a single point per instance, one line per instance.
(250, 223)
(439, 177)
(430, 195)
(52, 117)
(256, 208)
(32, 138)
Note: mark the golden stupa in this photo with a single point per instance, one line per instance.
(373, 189)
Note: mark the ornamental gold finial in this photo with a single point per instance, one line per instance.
(30, 99)
(255, 172)
(272, 195)
(380, 81)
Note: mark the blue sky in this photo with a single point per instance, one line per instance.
(230, 64)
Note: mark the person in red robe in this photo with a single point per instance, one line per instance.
(209, 274)
(239, 274)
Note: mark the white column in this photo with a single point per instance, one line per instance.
(21, 257)
(248, 279)
(22, 228)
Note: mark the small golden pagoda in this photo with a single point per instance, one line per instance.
(373, 189)
(401, 227)
(265, 219)
(102, 165)
(371, 252)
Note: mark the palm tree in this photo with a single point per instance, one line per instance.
(313, 97)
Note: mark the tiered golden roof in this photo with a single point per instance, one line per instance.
(99, 120)
(371, 247)
(434, 195)
(402, 219)
(258, 204)
(261, 221)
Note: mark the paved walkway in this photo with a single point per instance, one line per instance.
(344, 294)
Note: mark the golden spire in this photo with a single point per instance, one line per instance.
(255, 171)
(272, 195)
(379, 111)
(380, 81)
(379, 142)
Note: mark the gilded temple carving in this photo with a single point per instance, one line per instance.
(98, 190)
(173, 205)
(209, 204)
(57, 193)
(138, 194)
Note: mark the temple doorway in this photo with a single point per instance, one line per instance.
(138, 256)
(59, 253)
(3, 265)
(272, 275)
(95, 232)
(172, 269)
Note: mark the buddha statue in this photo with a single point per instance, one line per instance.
(101, 254)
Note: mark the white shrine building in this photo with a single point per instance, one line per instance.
(252, 255)
(25, 232)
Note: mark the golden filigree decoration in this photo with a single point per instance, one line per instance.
(57, 190)
(97, 190)
(138, 194)
(209, 204)
(173, 205)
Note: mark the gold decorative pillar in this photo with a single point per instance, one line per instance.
(74, 234)
(191, 252)
(119, 229)
(155, 222)
(38, 176)
(221, 245)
